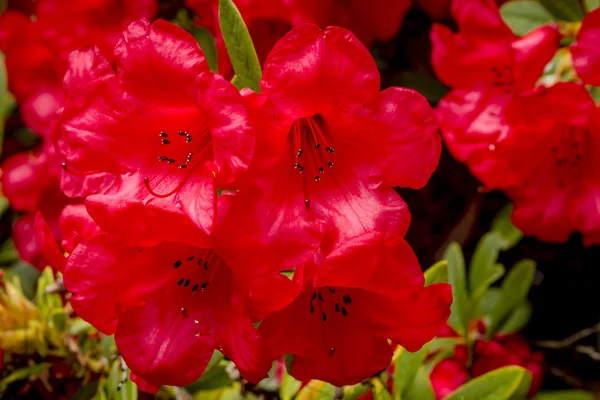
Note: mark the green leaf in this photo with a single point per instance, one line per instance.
(289, 386)
(215, 375)
(565, 395)
(209, 48)
(591, 5)
(86, 391)
(422, 82)
(460, 310)
(27, 276)
(499, 384)
(406, 367)
(355, 392)
(564, 10)
(483, 270)
(23, 373)
(522, 16)
(514, 291)
(8, 252)
(239, 47)
(518, 319)
(380, 392)
(316, 390)
(502, 224)
(437, 273)
(421, 388)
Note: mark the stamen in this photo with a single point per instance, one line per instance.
(162, 196)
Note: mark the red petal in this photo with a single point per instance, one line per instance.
(47, 244)
(310, 71)
(586, 50)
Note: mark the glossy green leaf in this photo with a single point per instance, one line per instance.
(564, 10)
(484, 270)
(565, 395)
(515, 288)
(380, 392)
(518, 319)
(502, 224)
(355, 392)
(239, 47)
(208, 45)
(522, 16)
(420, 388)
(460, 310)
(591, 5)
(289, 386)
(215, 375)
(405, 370)
(437, 273)
(500, 384)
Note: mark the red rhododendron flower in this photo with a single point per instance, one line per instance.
(507, 350)
(37, 51)
(502, 351)
(486, 65)
(551, 147)
(586, 50)
(202, 306)
(369, 21)
(351, 301)
(330, 145)
(168, 141)
(30, 183)
(450, 373)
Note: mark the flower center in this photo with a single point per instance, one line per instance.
(197, 272)
(568, 152)
(180, 152)
(314, 154)
(328, 305)
(503, 78)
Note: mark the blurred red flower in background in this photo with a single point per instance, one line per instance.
(502, 351)
(586, 49)
(486, 65)
(37, 50)
(557, 190)
(269, 20)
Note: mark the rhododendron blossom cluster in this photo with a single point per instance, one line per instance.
(184, 201)
(521, 117)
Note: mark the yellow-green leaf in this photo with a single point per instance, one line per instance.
(239, 47)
